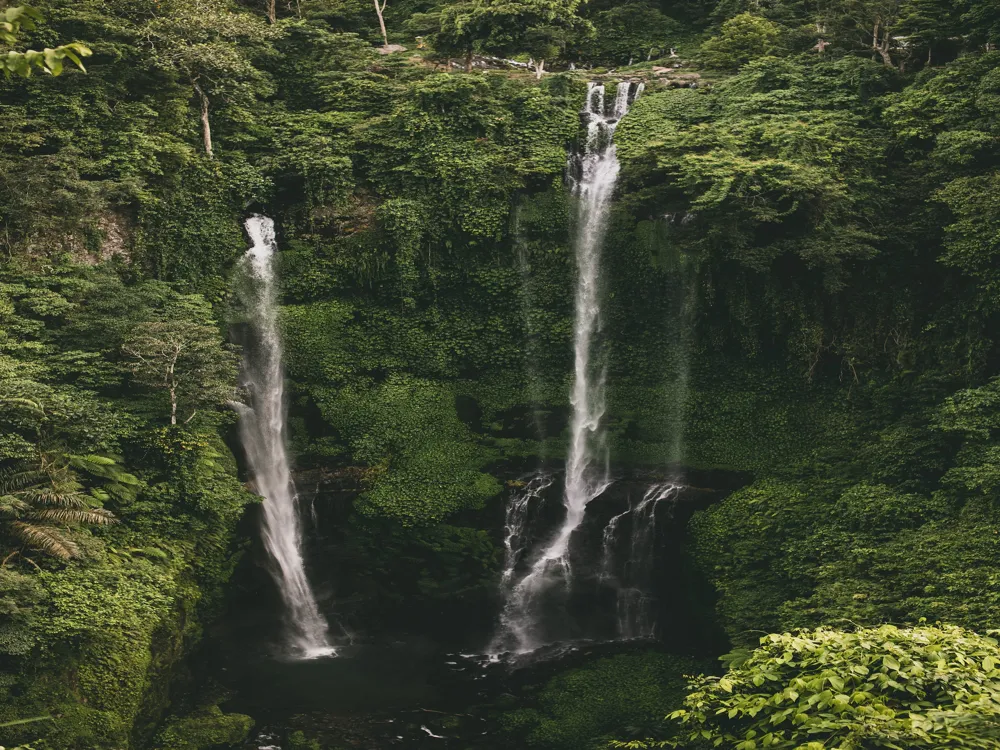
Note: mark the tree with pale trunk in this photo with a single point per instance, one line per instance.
(379, 10)
(202, 43)
(187, 360)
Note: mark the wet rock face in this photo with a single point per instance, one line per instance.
(678, 603)
(630, 577)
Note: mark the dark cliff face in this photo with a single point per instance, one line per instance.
(381, 581)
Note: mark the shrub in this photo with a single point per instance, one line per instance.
(886, 687)
(743, 38)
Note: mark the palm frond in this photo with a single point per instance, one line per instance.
(106, 467)
(71, 516)
(46, 539)
(14, 480)
(37, 501)
(47, 496)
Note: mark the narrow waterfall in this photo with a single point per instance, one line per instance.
(627, 558)
(516, 521)
(632, 576)
(531, 369)
(521, 509)
(593, 174)
(262, 429)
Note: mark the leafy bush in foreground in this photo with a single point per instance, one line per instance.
(886, 687)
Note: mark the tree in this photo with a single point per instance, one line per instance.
(983, 18)
(885, 687)
(185, 359)
(973, 241)
(634, 30)
(51, 59)
(205, 43)
(379, 9)
(507, 27)
(742, 38)
(926, 24)
(861, 25)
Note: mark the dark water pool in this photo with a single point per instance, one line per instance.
(406, 693)
(422, 683)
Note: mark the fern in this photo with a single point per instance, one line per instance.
(42, 503)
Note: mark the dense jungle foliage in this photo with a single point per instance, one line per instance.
(807, 224)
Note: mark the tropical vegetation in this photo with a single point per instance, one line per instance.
(807, 228)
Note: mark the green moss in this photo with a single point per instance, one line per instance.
(426, 460)
(206, 729)
(585, 707)
(298, 741)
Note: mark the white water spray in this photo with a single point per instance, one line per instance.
(262, 429)
(586, 466)
(521, 508)
(516, 529)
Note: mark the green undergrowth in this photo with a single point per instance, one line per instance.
(205, 729)
(586, 706)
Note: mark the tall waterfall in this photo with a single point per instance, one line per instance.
(262, 429)
(593, 173)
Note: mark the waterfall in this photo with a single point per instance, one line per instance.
(517, 522)
(262, 429)
(593, 174)
(634, 581)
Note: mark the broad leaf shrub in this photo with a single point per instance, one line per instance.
(885, 687)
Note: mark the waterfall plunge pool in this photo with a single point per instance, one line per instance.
(413, 681)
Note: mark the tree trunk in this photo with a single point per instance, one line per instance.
(272, 11)
(884, 51)
(468, 61)
(539, 69)
(381, 21)
(172, 386)
(206, 127)
(881, 45)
